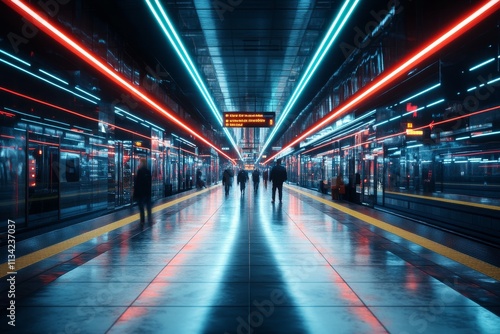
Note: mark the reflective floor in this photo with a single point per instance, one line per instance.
(240, 264)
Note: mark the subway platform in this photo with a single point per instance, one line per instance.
(211, 263)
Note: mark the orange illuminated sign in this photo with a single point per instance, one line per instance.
(249, 119)
(411, 132)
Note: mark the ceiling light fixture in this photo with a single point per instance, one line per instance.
(168, 29)
(461, 26)
(334, 30)
(41, 23)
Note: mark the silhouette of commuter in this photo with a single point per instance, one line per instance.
(242, 180)
(265, 177)
(277, 176)
(199, 182)
(256, 179)
(142, 190)
(226, 180)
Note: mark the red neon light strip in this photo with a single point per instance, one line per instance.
(43, 142)
(69, 111)
(403, 132)
(103, 68)
(8, 114)
(463, 25)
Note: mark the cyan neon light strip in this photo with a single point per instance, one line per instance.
(334, 30)
(21, 113)
(413, 111)
(53, 121)
(16, 58)
(43, 79)
(486, 134)
(420, 93)
(53, 76)
(482, 64)
(433, 103)
(494, 80)
(81, 90)
(163, 20)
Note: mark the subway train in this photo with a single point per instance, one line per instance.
(426, 147)
(46, 180)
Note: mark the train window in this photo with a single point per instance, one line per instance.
(72, 170)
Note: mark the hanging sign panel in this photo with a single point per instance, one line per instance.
(249, 119)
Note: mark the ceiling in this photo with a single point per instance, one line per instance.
(250, 53)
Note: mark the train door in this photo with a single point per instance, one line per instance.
(119, 174)
(111, 174)
(13, 176)
(381, 171)
(43, 180)
(368, 189)
(127, 173)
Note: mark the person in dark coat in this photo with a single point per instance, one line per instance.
(277, 176)
(265, 177)
(199, 182)
(242, 179)
(226, 179)
(256, 179)
(142, 190)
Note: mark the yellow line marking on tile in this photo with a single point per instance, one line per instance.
(467, 260)
(445, 200)
(42, 254)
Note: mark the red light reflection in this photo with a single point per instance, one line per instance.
(458, 28)
(81, 52)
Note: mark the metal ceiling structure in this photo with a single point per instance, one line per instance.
(246, 55)
(250, 55)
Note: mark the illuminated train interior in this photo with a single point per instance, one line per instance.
(427, 145)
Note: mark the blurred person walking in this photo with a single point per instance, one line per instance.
(142, 190)
(277, 176)
(242, 179)
(256, 179)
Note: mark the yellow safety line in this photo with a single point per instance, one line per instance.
(453, 201)
(42, 254)
(467, 260)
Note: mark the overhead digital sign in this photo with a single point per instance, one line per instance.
(249, 119)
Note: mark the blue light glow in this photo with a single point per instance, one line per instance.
(43, 79)
(420, 93)
(434, 103)
(53, 76)
(334, 30)
(16, 58)
(482, 64)
(164, 22)
(81, 90)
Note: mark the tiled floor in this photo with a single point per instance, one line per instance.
(240, 264)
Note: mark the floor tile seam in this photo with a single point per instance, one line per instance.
(156, 276)
(117, 231)
(479, 284)
(448, 252)
(336, 272)
(57, 263)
